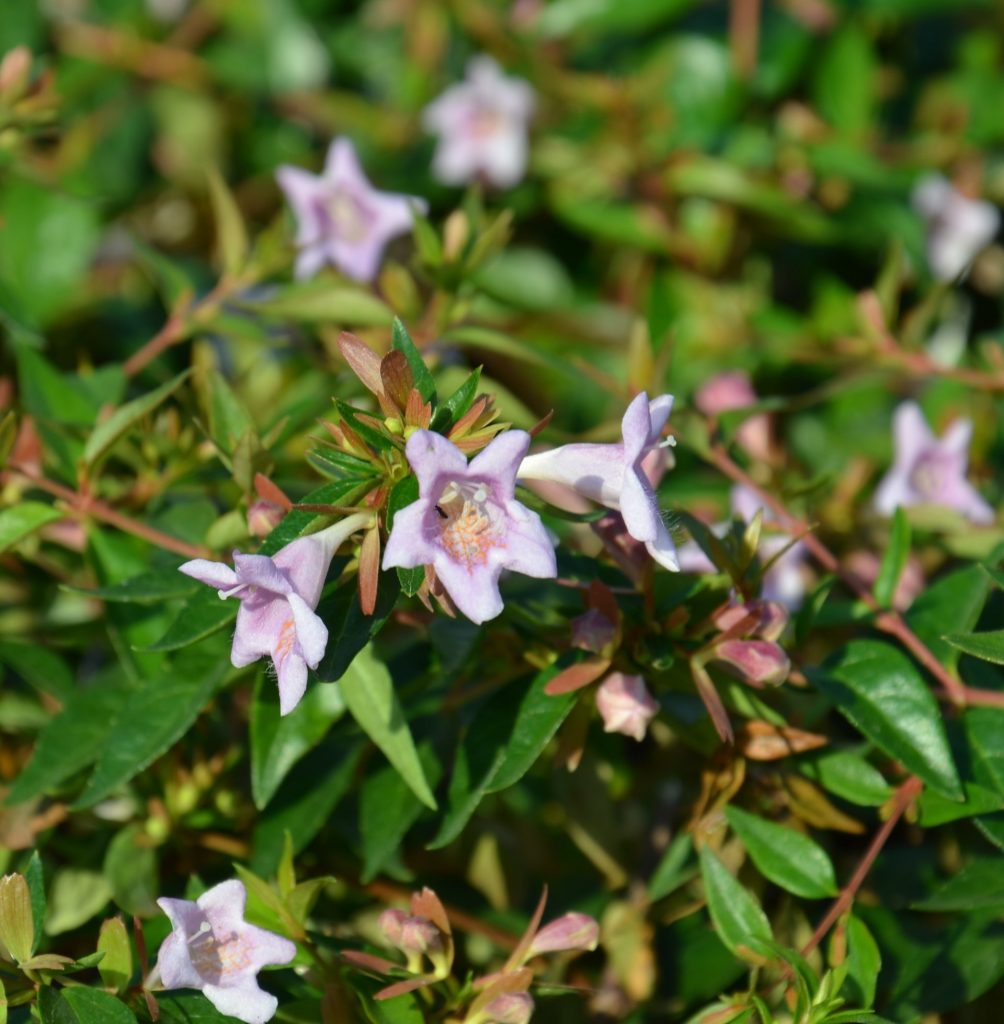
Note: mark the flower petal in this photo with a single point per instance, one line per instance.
(261, 571)
(291, 673)
(639, 507)
(342, 167)
(245, 1001)
(636, 426)
(500, 460)
(186, 916)
(175, 963)
(213, 574)
(224, 905)
(475, 592)
(659, 409)
(407, 546)
(663, 550)
(311, 633)
(305, 562)
(528, 548)
(269, 949)
(911, 434)
(433, 457)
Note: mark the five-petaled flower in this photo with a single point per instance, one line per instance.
(278, 596)
(467, 523)
(614, 475)
(625, 705)
(930, 471)
(341, 218)
(214, 949)
(482, 127)
(957, 227)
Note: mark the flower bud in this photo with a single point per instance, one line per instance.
(568, 932)
(263, 517)
(409, 934)
(757, 662)
(724, 391)
(592, 631)
(625, 705)
(509, 1008)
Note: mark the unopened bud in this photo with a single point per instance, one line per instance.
(17, 926)
(263, 517)
(592, 631)
(625, 705)
(570, 931)
(773, 620)
(509, 1008)
(724, 391)
(409, 934)
(757, 662)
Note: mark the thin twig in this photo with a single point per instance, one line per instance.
(904, 796)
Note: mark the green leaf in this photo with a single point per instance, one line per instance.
(387, 809)
(894, 560)
(295, 523)
(107, 432)
(322, 303)
(401, 340)
(24, 519)
(458, 403)
(672, 870)
(189, 1008)
(36, 886)
(876, 687)
(786, 857)
(403, 494)
(131, 867)
(349, 630)
(369, 694)
(845, 80)
(979, 885)
(73, 739)
(737, 916)
(988, 646)
(231, 234)
(46, 671)
(152, 587)
(153, 719)
(950, 605)
(278, 742)
(849, 776)
(77, 894)
(865, 962)
(202, 616)
(509, 734)
(116, 963)
(83, 1005)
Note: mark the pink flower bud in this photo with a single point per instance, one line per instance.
(724, 391)
(757, 662)
(263, 518)
(510, 1008)
(625, 705)
(409, 934)
(592, 631)
(570, 931)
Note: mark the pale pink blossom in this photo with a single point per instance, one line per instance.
(482, 124)
(957, 227)
(212, 948)
(572, 931)
(625, 705)
(734, 390)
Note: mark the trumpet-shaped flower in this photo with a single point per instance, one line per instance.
(614, 475)
(482, 127)
(214, 949)
(930, 471)
(467, 523)
(625, 705)
(278, 596)
(341, 218)
(958, 227)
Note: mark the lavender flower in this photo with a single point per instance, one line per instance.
(625, 705)
(341, 218)
(958, 227)
(214, 949)
(482, 127)
(930, 470)
(278, 596)
(613, 474)
(467, 523)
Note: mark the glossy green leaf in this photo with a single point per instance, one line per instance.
(368, 691)
(23, 519)
(454, 407)
(950, 605)
(786, 857)
(848, 776)
(349, 629)
(108, 431)
(36, 886)
(674, 868)
(231, 234)
(878, 689)
(148, 588)
(82, 1005)
(865, 962)
(737, 917)
(987, 646)
(203, 615)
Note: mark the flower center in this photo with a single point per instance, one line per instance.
(484, 122)
(217, 959)
(930, 475)
(468, 521)
(349, 218)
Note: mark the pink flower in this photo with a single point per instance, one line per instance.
(958, 227)
(509, 1008)
(214, 949)
(341, 218)
(482, 127)
(467, 523)
(278, 596)
(614, 474)
(929, 470)
(569, 932)
(409, 933)
(734, 390)
(625, 705)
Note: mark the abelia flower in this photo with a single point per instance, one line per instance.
(614, 474)
(929, 470)
(341, 218)
(508, 1008)
(482, 127)
(958, 227)
(467, 523)
(214, 949)
(572, 931)
(625, 705)
(278, 596)
(757, 662)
